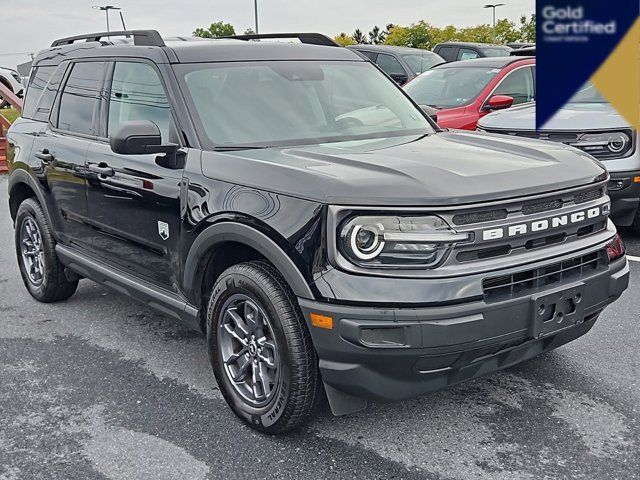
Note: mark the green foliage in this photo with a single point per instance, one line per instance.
(10, 114)
(345, 40)
(217, 29)
(528, 28)
(377, 36)
(359, 37)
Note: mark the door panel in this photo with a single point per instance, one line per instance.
(133, 202)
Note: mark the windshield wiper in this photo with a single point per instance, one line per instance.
(232, 148)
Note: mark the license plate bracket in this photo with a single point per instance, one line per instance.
(556, 310)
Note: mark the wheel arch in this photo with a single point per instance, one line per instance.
(21, 187)
(231, 232)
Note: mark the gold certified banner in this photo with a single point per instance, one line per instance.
(618, 79)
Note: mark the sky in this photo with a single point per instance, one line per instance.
(31, 25)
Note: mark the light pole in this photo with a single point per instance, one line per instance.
(494, 6)
(106, 9)
(255, 5)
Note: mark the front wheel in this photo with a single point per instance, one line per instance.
(41, 271)
(260, 349)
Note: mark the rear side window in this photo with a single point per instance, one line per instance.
(137, 94)
(43, 109)
(519, 85)
(80, 98)
(448, 53)
(39, 79)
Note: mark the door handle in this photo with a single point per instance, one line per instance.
(45, 156)
(101, 169)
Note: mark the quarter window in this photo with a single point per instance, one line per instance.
(39, 79)
(80, 98)
(137, 94)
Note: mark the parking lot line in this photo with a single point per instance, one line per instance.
(631, 258)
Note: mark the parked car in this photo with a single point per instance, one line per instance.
(519, 45)
(10, 78)
(455, 51)
(235, 186)
(402, 64)
(590, 123)
(463, 92)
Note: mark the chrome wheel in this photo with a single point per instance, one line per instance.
(249, 350)
(32, 251)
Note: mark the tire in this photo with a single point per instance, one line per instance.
(257, 290)
(51, 284)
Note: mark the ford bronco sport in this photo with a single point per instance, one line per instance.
(290, 201)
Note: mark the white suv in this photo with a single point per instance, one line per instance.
(10, 78)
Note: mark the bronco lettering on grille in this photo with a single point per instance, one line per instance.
(545, 224)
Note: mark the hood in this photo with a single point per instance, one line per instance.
(572, 117)
(444, 168)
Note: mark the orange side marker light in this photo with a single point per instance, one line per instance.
(321, 321)
(636, 179)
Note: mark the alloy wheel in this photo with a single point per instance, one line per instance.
(249, 350)
(32, 251)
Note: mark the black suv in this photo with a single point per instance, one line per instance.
(290, 201)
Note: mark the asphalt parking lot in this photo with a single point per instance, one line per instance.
(100, 387)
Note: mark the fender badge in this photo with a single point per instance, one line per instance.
(163, 230)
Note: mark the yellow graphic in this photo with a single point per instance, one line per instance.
(618, 79)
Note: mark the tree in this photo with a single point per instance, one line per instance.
(217, 29)
(359, 37)
(528, 28)
(376, 36)
(344, 40)
(249, 31)
(417, 35)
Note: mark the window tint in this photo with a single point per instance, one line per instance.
(448, 53)
(519, 85)
(137, 94)
(47, 98)
(466, 54)
(390, 65)
(39, 79)
(370, 55)
(81, 97)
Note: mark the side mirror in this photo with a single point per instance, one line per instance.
(499, 102)
(400, 78)
(139, 137)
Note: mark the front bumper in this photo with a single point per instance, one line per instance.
(625, 197)
(399, 353)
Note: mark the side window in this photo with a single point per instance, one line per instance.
(39, 79)
(47, 98)
(137, 94)
(390, 65)
(370, 55)
(466, 54)
(448, 53)
(519, 85)
(80, 98)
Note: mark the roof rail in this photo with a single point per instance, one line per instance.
(149, 38)
(310, 38)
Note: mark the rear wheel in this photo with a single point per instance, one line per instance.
(260, 349)
(41, 271)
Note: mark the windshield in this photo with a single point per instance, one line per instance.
(497, 51)
(419, 63)
(588, 94)
(283, 103)
(450, 87)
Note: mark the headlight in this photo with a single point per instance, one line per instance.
(397, 242)
(606, 145)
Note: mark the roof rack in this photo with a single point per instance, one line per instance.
(148, 38)
(310, 38)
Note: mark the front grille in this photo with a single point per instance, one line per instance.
(505, 286)
(584, 197)
(478, 217)
(540, 206)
